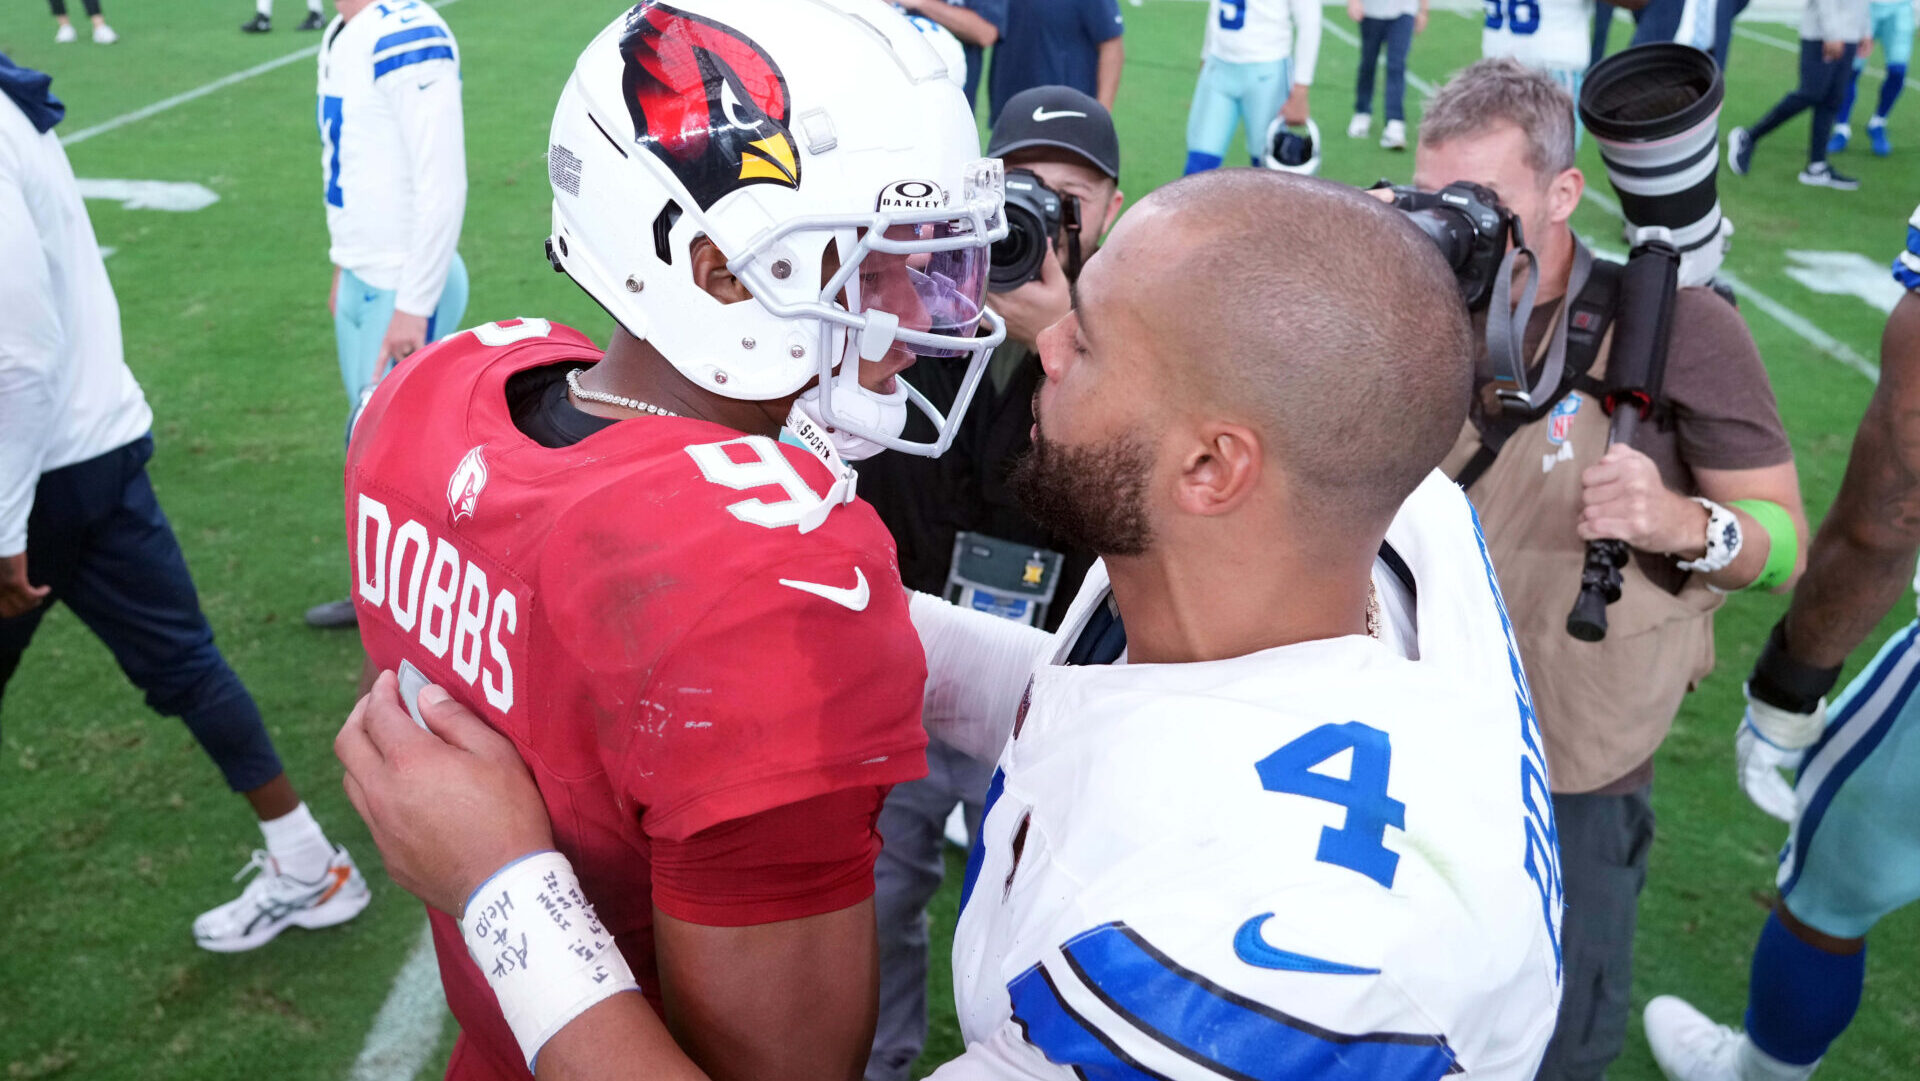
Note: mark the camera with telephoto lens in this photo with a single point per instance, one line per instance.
(1471, 229)
(1036, 216)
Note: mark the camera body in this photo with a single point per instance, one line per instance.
(1471, 229)
(1036, 217)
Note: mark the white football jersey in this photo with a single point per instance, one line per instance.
(1323, 861)
(1554, 35)
(1262, 31)
(392, 148)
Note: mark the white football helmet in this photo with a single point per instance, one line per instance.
(1293, 150)
(822, 147)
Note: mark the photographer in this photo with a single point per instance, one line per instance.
(1073, 152)
(1705, 494)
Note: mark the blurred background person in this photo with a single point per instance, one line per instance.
(262, 21)
(64, 33)
(1890, 24)
(977, 23)
(394, 158)
(1831, 33)
(1072, 43)
(1251, 70)
(1392, 24)
(79, 522)
(927, 502)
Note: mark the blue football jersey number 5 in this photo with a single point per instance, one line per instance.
(1359, 844)
(1233, 14)
(330, 116)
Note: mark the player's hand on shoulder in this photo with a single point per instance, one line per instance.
(448, 805)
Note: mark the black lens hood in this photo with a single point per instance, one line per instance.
(1650, 92)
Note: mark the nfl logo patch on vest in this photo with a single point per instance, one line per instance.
(1560, 421)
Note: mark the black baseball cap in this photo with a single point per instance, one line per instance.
(1058, 116)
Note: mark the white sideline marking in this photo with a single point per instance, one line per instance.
(197, 92)
(174, 195)
(407, 1028)
(1780, 313)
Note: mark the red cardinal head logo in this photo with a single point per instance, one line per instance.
(707, 102)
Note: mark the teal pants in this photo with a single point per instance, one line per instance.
(360, 317)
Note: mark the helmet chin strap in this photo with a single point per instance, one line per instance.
(811, 436)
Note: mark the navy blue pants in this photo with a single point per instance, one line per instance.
(1658, 21)
(1397, 35)
(1823, 86)
(98, 539)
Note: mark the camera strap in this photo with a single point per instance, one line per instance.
(1505, 332)
(1579, 330)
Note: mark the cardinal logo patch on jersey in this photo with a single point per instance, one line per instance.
(707, 102)
(469, 477)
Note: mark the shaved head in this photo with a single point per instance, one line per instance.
(1313, 314)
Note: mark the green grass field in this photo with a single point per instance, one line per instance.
(119, 831)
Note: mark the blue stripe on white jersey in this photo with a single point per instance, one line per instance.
(1209, 1025)
(407, 37)
(408, 59)
(1064, 1036)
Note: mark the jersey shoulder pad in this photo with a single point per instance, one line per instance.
(406, 34)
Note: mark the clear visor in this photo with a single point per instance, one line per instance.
(926, 275)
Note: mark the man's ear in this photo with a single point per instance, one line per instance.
(1113, 210)
(1220, 471)
(1563, 195)
(710, 273)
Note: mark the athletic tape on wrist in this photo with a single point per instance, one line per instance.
(1783, 546)
(544, 952)
(1785, 683)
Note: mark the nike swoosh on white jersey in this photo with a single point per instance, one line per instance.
(854, 598)
(1040, 114)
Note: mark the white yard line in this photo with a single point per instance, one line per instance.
(198, 92)
(407, 1028)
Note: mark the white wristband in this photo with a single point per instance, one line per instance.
(544, 952)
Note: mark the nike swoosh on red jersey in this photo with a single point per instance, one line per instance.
(854, 598)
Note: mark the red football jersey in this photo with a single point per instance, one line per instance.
(639, 612)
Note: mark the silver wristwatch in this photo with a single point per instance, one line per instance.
(1723, 539)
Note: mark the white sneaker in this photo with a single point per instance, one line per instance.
(1394, 135)
(273, 901)
(1688, 1046)
(104, 35)
(66, 35)
(1358, 127)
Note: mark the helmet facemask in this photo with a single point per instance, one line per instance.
(910, 278)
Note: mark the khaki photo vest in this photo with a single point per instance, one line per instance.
(1603, 706)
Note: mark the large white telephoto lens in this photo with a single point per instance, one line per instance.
(1655, 111)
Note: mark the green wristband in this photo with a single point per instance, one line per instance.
(1784, 540)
